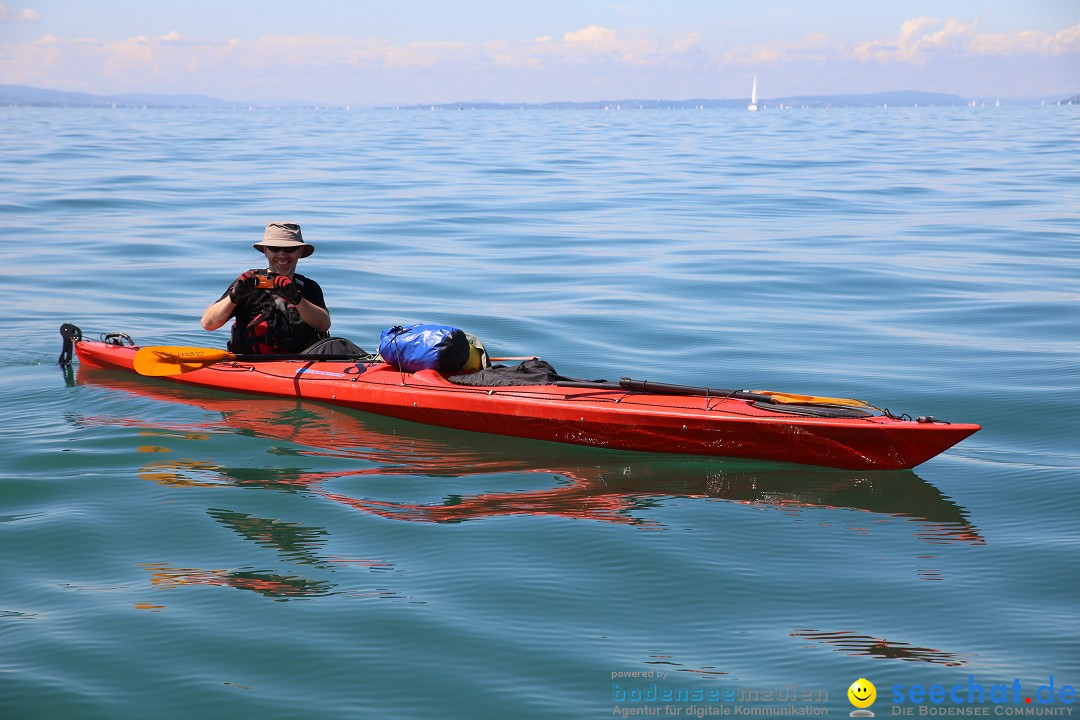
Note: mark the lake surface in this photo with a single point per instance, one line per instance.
(176, 553)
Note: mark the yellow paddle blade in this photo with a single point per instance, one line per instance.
(164, 360)
(796, 399)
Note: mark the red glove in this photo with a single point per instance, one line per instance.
(243, 286)
(287, 290)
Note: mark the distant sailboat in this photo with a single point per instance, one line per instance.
(753, 97)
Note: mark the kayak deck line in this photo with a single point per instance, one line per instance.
(711, 403)
(617, 418)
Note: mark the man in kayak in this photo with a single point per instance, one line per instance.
(275, 310)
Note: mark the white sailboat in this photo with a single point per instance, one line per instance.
(753, 97)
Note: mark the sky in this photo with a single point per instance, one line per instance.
(387, 52)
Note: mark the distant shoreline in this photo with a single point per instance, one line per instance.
(27, 96)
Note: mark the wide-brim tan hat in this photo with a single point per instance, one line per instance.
(284, 234)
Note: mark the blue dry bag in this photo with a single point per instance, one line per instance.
(424, 347)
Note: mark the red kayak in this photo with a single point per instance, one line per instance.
(595, 415)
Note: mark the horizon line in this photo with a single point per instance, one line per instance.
(130, 97)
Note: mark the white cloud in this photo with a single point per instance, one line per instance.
(597, 44)
(922, 39)
(592, 35)
(812, 48)
(1005, 44)
(24, 15)
(918, 40)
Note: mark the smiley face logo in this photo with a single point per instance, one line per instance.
(862, 693)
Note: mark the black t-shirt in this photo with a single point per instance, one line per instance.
(264, 323)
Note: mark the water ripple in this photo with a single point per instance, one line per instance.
(175, 552)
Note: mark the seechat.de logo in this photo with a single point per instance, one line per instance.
(862, 695)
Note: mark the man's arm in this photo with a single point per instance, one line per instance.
(312, 314)
(218, 313)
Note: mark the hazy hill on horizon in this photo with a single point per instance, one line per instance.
(27, 95)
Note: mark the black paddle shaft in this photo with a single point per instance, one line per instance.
(646, 386)
(296, 356)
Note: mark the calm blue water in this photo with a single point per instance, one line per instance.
(174, 553)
